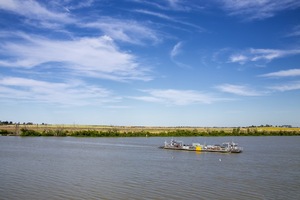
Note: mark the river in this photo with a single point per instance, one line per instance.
(134, 168)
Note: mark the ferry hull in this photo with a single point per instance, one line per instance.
(228, 147)
(202, 150)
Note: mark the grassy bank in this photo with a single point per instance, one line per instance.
(138, 131)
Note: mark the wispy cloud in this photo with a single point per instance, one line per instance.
(287, 86)
(176, 97)
(97, 56)
(258, 9)
(238, 58)
(79, 4)
(125, 30)
(171, 19)
(253, 55)
(156, 14)
(240, 90)
(177, 50)
(270, 54)
(283, 73)
(175, 5)
(70, 93)
(295, 32)
(35, 11)
(37, 15)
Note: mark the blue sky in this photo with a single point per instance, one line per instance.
(152, 63)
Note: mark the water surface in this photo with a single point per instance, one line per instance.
(134, 168)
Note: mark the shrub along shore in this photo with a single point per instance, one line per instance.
(139, 131)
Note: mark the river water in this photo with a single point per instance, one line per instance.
(134, 168)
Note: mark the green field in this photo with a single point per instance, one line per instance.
(140, 131)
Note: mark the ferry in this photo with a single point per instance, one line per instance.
(226, 147)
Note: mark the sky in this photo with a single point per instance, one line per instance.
(150, 62)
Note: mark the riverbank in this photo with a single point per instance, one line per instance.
(141, 131)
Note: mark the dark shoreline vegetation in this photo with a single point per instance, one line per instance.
(86, 131)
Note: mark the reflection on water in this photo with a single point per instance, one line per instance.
(134, 168)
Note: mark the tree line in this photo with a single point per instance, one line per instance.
(172, 133)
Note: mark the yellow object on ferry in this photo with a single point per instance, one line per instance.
(198, 148)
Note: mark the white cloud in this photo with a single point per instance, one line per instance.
(258, 9)
(283, 73)
(89, 56)
(171, 19)
(295, 32)
(183, 5)
(267, 55)
(176, 5)
(125, 30)
(79, 4)
(75, 93)
(287, 87)
(270, 54)
(176, 97)
(176, 50)
(239, 90)
(238, 58)
(119, 29)
(33, 10)
(156, 14)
